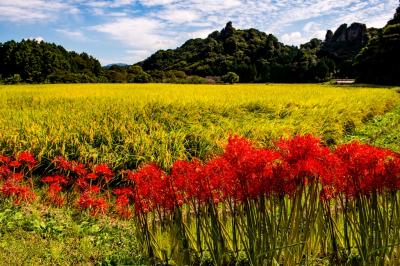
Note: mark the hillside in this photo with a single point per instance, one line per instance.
(40, 62)
(379, 62)
(257, 57)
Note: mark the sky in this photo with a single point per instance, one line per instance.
(128, 31)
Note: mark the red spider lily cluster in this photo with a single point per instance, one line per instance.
(91, 184)
(243, 172)
(15, 177)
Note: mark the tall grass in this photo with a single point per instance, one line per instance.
(126, 125)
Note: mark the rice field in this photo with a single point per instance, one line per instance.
(128, 124)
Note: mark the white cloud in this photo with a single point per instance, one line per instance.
(200, 33)
(108, 4)
(77, 35)
(156, 2)
(313, 30)
(178, 16)
(37, 39)
(33, 10)
(141, 34)
(293, 38)
(376, 15)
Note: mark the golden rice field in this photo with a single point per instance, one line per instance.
(127, 124)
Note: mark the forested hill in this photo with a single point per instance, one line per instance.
(379, 61)
(38, 62)
(255, 56)
(352, 51)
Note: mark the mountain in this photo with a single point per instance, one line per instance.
(115, 65)
(255, 56)
(259, 57)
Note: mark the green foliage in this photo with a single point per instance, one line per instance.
(381, 131)
(230, 77)
(34, 235)
(137, 75)
(14, 79)
(40, 62)
(379, 62)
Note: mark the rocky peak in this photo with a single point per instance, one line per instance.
(356, 33)
(229, 30)
(328, 36)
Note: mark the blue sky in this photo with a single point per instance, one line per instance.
(127, 31)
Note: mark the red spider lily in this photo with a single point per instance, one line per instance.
(56, 179)
(327, 193)
(305, 158)
(53, 193)
(252, 168)
(367, 169)
(19, 193)
(188, 180)
(62, 163)
(125, 195)
(124, 191)
(122, 201)
(26, 158)
(16, 177)
(104, 171)
(78, 168)
(128, 176)
(14, 164)
(82, 183)
(122, 206)
(91, 176)
(55, 188)
(393, 170)
(4, 159)
(218, 182)
(4, 171)
(93, 189)
(54, 196)
(93, 203)
(152, 189)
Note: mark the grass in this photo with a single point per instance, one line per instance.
(381, 131)
(40, 235)
(128, 124)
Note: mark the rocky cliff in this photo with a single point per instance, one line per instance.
(343, 45)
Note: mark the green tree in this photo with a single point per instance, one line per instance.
(230, 77)
(379, 61)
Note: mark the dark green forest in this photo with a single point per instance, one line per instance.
(231, 55)
(40, 62)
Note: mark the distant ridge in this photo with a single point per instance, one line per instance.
(115, 64)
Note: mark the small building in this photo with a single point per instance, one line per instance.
(344, 81)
